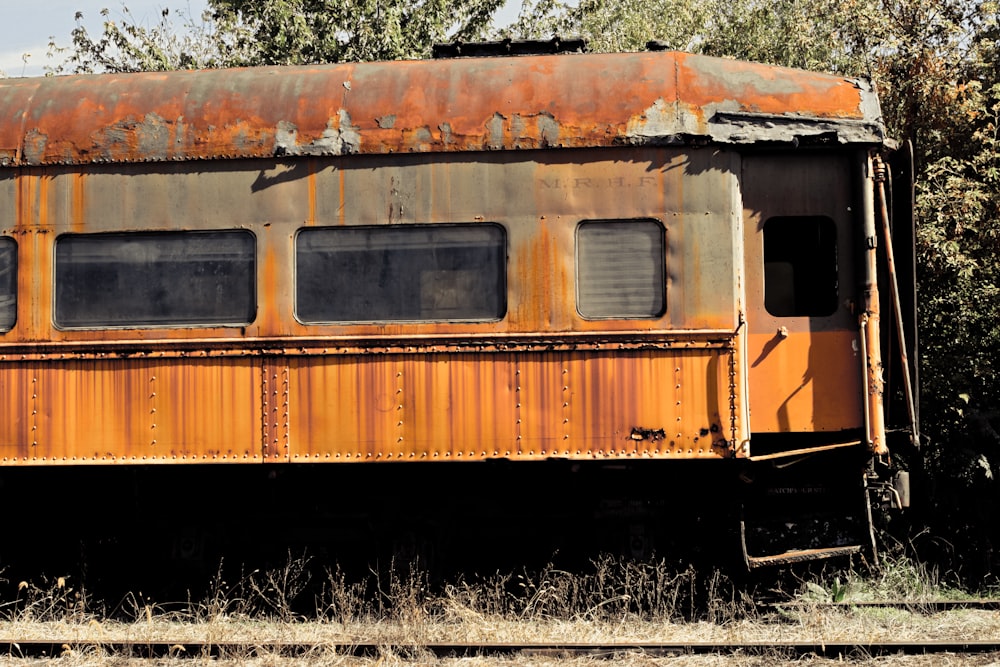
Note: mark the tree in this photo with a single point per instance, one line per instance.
(295, 32)
(615, 25)
(127, 46)
(237, 33)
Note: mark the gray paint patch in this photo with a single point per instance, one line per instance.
(153, 137)
(737, 128)
(339, 138)
(494, 129)
(423, 135)
(725, 122)
(286, 139)
(350, 135)
(446, 133)
(548, 129)
(34, 147)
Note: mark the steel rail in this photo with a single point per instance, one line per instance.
(917, 606)
(50, 648)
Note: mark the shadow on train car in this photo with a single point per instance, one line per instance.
(117, 530)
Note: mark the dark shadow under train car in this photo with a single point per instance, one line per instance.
(520, 299)
(117, 530)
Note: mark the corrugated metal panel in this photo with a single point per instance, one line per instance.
(471, 104)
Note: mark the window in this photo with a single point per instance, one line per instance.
(8, 283)
(415, 273)
(155, 279)
(800, 266)
(620, 269)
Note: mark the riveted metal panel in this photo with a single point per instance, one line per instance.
(577, 404)
(129, 411)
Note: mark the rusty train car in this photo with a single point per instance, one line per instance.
(373, 277)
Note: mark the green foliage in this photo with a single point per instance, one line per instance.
(898, 579)
(238, 33)
(127, 46)
(615, 25)
(813, 34)
(296, 32)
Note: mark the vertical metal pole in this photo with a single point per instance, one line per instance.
(870, 330)
(897, 310)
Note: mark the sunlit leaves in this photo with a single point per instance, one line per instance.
(236, 33)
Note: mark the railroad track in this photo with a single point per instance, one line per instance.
(35, 649)
(917, 606)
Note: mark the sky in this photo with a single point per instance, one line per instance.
(27, 25)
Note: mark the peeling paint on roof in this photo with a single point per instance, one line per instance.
(474, 104)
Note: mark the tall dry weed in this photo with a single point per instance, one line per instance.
(49, 599)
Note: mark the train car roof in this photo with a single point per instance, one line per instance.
(452, 105)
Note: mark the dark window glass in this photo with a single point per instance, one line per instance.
(401, 273)
(800, 266)
(8, 283)
(155, 279)
(620, 269)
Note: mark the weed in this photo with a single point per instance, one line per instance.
(50, 600)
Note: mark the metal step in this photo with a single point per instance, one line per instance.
(789, 557)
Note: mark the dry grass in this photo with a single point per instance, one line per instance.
(617, 602)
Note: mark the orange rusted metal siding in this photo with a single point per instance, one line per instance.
(805, 372)
(585, 403)
(806, 382)
(129, 410)
(422, 106)
(300, 403)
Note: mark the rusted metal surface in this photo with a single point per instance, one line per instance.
(425, 106)
(754, 562)
(539, 201)
(282, 149)
(419, 406)
(180, 650)
(870, 322)
(520, 406)
(786, 454)
(804, 372)
(909, 395)
(794, 378)
(130, 411)
(541, 382)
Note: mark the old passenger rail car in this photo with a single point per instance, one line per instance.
(601, 259)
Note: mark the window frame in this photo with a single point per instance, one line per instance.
(13, 293)
(503, 278)
(825, 226)
(253, 295)
(661, 268)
